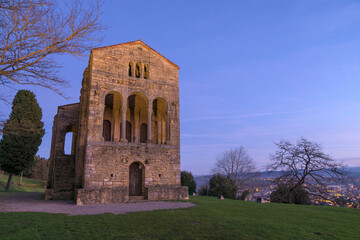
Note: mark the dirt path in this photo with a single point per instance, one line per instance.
(33, 202)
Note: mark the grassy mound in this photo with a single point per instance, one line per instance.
(211, 219)
(27, 185)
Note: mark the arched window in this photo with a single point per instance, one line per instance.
(146, 71)
(138, 70)
(143, 133)
(68, 143)
(131, 69)
(160, 125)
(107, 130)
(112, 117)
(137, 114)
(70, 140)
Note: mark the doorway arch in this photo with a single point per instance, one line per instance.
(136, 177)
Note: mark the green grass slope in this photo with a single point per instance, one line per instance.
(27, 185)
(210, 219)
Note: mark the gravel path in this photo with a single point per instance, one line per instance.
(33, 202)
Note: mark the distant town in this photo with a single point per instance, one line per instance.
(346, 194)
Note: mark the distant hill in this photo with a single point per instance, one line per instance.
(204, 179)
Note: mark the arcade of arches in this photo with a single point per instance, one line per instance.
(135, 120)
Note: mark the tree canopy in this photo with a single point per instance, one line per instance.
(22, 134)
(222, 185)
(187, 179)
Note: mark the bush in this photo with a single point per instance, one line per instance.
(244, 195)
(187, 179)
(204, 190)
(282, 194)
(38, 169)
(221, 185)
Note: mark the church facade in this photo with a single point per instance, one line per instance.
(125, 131)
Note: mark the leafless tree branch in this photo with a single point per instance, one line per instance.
(236, 164)
(32, 32)
(305, 165)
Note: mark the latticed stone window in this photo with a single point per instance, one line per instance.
(138, 70)
(146, 71)
(131, 69)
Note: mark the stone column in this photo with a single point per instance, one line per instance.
(167, 128)
(116, 117)
(149, 125)
(123, 121)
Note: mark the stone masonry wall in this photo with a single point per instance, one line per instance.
(109, 73)
(109, 164)
(158, 193)
(61, 177)
(105, 195)
(98, 171)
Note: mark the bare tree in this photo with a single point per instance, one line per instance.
(305, 165)
(32, 32)
(237, 165)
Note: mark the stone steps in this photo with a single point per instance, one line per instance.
(136, 198)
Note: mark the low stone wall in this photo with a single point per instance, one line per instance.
(158, 193)
(105, 195)
(59, 194)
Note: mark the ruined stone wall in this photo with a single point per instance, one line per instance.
(83, 130)
(62, 167)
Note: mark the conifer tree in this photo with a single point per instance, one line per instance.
(187, 179)
(22, 134)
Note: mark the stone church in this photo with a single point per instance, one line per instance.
(125, 131)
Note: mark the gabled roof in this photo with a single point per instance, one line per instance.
(67, 105)
(144, 45)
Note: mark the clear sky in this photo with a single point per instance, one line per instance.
(252, 73)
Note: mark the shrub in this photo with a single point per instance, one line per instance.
(244, 194)
(187, 179)
(38, 169)
(283, 194)
(221, 185)
(204, 190)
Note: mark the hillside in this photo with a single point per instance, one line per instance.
(210, 219)
(27, 185)
(204, 179)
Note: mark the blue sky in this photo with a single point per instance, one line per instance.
(252, 73)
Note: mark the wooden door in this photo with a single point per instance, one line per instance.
(135, 179)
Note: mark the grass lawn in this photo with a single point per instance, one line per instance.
(211, 219)
(27, 185)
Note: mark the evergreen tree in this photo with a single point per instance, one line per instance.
(22, 134)
(187, 179)
(222, 185)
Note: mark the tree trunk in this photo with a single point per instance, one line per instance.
(9, 182)
(21, 175)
